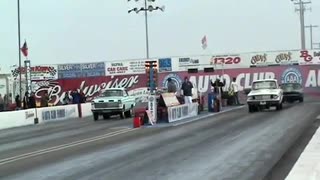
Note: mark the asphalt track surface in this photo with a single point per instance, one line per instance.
(232, 145)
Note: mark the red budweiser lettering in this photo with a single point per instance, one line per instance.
(57, 93)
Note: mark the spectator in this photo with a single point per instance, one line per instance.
(6, 102)
(45, 100)
(32, 101)
(26, 100)
(187, 90)
(172, 88)
(18, 102)
(76, 97)
(66, 99)
(2, 103)
(235, 89)
(218, 86)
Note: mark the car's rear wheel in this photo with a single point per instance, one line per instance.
(128, 114)
(95, 116)
(251, 108)
(106, 116)
(301, 99)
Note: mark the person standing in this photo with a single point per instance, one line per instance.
(45, 100)
(32, 100)
(18, 102)
(235, 90)
(2, 103)
(26, 100)
(172, 88)
(187, 90)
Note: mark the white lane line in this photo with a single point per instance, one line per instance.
(206, 116)
(64, 146)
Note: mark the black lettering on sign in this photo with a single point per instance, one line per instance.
(61, 113)
(46, 115)
(53, 114)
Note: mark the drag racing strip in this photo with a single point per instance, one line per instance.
(64, 146)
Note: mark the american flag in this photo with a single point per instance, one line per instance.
(204, 42)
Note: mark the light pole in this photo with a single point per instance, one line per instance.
(146, 8)
(302, 9)
(311, 34)
(19, 44)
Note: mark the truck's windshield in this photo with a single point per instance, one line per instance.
(112, 93)
(264, 85)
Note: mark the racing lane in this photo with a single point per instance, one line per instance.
(234, 145)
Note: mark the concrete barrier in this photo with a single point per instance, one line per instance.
(86, 110)
(180, 112)
(13, 119)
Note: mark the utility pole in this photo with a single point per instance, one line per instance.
(311, 34)
(146, 8)
(19, 44)
(318, 44)
(302, 9)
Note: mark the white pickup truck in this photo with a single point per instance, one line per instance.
(264, 94)
(113, 101)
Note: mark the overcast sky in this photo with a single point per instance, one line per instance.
(71, 31)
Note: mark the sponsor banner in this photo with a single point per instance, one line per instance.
(12, 119)
(274, 58)
(188, 61)
(117, 68)
(81, 70)
(165, 65)
(38, 72)
(229, 61)
(57, 113)
(137, 66)
(310, 57)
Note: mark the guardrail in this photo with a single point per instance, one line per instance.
(11, 119)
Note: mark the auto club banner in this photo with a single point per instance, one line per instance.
(81, 70)
(37, 72)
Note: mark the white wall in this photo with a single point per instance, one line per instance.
(86, 110)
(17, 118)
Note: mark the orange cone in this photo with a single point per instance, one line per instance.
(136, 122)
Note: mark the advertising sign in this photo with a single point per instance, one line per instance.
(81, 70)
(165, 65)
(274, 58)
(137, 66)
(187, 61)
(310, 57)
(38, 72)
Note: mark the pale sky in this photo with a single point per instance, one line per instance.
(72, 31)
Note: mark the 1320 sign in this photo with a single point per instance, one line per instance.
(225, 60)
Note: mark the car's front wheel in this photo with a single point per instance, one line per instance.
(95, 116)
(251, 108)
(279, 106)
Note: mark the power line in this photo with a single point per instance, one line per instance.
(311, 34)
